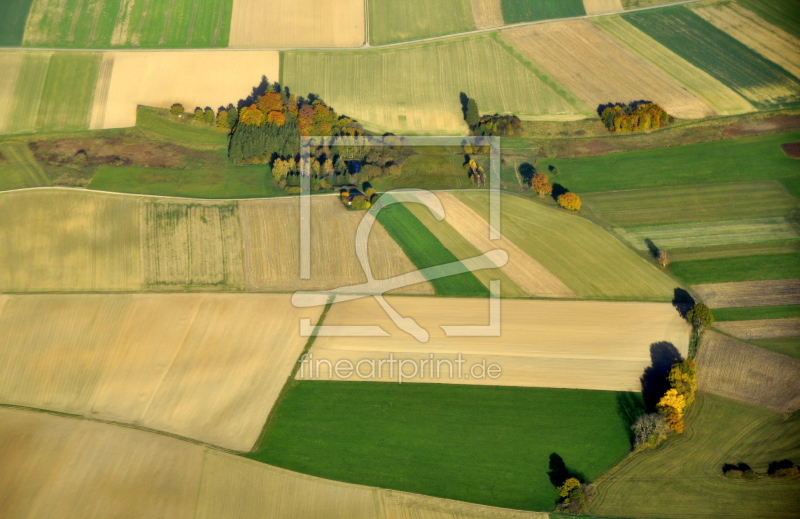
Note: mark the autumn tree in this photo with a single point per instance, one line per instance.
(700, 316)
(671, 406)
(177, 110)
(233, 116)
(663, 259)
(570, 201)
(683, 379)
(251, 116)
(222, 119)
(276, 118)
(541, 184)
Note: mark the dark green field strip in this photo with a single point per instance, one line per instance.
(729, 251)
(746, 268)
(782, 13)
(792, 184)
(729, 160)
(692, 203)
(13, 15)
(516, 11)
(425, 250)
(789, 346)
(756, 312)
(488, 445)
(717, 53)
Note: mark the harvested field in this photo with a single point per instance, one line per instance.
(690, 203)
(770, 41)
(566, 344)
(602, 6)
(297, 23)
(138, 78)
(128, 23)
(761, 328)
(759, 80)
(732, 369)
(20, 169)
(205, 366)
(69, 240)
(392, 22)
(721, 98)
(517, 11)
(192, 244)
(364, 86)
(792, 149)
(271, 234)
(585, 257)
(530, 277)
(702, 234)
(63, 467)
(600, 70)
(750, 293)
(487, 13)
(729, 251)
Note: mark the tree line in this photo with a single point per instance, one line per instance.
(638, 116)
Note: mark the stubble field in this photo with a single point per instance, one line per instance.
(487, 13)
(750, 293)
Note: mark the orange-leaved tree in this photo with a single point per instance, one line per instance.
(541, 184)
(251, 116)
(275, 117)
(570, 201)
(671, 406)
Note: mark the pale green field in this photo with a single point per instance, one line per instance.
(722, 99)
(584, 256)
(20, 169)
(709, 234)
(416, 88)
(392, 21)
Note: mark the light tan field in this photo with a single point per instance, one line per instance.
(10, 64)
(163, 78)
(194, 244)
(732, 369)
(70, 240)
(602, 6)
(487, 13)
(59, 467)
(761, 328)
(203, 366)
(529, 275)
(297, 23)
(750, 293)
(566, 344)
(600, 70)
(722, 99)
(271, 234)
(101, 89)
(770, 41)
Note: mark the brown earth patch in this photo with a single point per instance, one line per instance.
(792, 149)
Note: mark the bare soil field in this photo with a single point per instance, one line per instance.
(792, 149)
(602, 6)
(271, 234)
(565, 344)
(63, 467)
(162, 78)
(746, 26)
(761, 328)
(487, 13)
(203, 366)
(297, 24)
(750, 293)
(732, 369)
(600, 70)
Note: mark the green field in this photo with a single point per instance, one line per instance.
(756, 312)
(729, 251)
(20, 169)
(489, 445)
(683, 478)
(121, 23)
(391, 21)
(13, 14)
(744, 268)
(429, 171)
(517, 11)
(781, 13)
(415, 89)
(155, 124)
(588, 259)
(759, 80)
(728, 160)
(690, 203)
(789, 346)
(425, 250)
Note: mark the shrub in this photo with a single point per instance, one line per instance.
(294, 190)
(541, 184)
(700, 316)
(570, 201)
(784, 469)
(177, 109)
(222, 120)
(648, 431)
(360, 202)
(199, 115)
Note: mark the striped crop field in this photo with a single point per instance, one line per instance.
(756, 78)
(777, 12)
(366, 85)
(391, 21)
(599, 70)
(720, 97)
(487, 13)
(516, 11)
(750, 293)
(128, 23)
(585, 257)
(705, 234)
(684, 204)
(19, 168)
(761, 328)
(729, 251)
(47, 91)
(602, 6)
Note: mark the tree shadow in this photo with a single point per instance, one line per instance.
(651, 247)
(258, 91)
(558, 190)
(630, 406)
(654, 379)
(682, 301)
(559, 472)
(527, 171)
(553, 170)
(464, 98)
